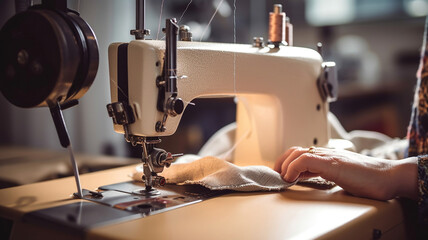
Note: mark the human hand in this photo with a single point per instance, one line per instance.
(358, 174)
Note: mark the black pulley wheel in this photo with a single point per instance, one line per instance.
(89, 57)
(38, 59)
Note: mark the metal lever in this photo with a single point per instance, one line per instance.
(120, 113)
(170, 68)
(168, 101)
(328, 84)
(65, 141)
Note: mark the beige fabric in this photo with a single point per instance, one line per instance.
(217, 174)
(368, 142)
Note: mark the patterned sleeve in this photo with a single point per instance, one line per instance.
(423, 188)
(418, 131)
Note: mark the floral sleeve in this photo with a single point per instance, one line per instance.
(423, 188)
(418, 131)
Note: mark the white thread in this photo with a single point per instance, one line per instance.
(160, 19)
(226, 154)
(244, 136)
(234, 42)
(184, 11)
(121, 90)
(243, 100)
(209, 22)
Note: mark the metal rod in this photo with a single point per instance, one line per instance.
(140, 7)
(76, 172)
(139, 31)
(171, 56)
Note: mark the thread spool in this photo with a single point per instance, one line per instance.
(288, 32)
(277, 25)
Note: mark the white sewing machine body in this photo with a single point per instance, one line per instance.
(279, 104)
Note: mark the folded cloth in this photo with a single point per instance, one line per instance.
(317, 182)
(218, 174)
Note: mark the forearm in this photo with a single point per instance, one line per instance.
(404, 176)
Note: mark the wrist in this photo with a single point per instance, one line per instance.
(405, 178)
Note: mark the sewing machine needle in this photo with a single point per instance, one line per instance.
(76, 172)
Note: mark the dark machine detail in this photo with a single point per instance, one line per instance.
(48, 58)
(154, 159)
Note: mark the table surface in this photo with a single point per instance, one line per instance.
(23, 165)
(299, 212)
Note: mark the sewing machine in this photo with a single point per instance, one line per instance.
(280, 92)
(283, 94)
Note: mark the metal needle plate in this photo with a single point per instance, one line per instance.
(117, 203)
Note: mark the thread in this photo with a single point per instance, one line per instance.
(247, 133)
(234, 42)
(121, 90)
(160, 19)
(288, 32)
(277, 25)
(184, 11)
(211, 19)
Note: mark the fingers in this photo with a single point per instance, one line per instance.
(297, 162)
(282, 162)
(309, 165)
(282, 158)
(291, 157)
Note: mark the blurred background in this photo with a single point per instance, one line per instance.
(376, 45)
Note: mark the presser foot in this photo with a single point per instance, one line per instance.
(150, 182)
(148, 191)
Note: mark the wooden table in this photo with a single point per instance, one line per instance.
(297, 213)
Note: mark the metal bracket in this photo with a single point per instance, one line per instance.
(328, 84)
(120, 113)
